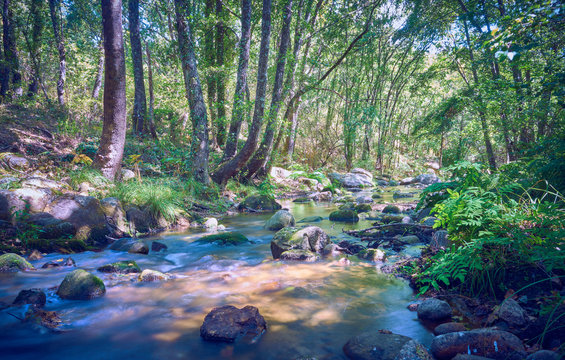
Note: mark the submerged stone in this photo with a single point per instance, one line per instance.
(228, 324)
(148, 275)
(344, 216)
(310, 219)
(226, 238)
(121, 267)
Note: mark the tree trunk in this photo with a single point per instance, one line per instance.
(238, 112)
(263, 154)
(55, 9)
(230, 168)
(10, 52)
(200, 146)
(111, 150)
(99, 73)
(36, 15)
(210, 64)
(140, 102)
(220, 77)
(151, 113)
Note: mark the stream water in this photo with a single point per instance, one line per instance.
(311, 309)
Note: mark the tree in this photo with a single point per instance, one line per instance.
(232, 167)
(200, 146)
(11, 57)
(111, 149)
(140, 102)
(34, 44)
(238, 109)
(55, 9)
(220, 77)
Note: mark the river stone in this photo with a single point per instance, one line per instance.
(375, 346)
(39, 182)
(376, 196)
(434, 310)
(23, 200)
(15, 162)
(86, 215)
(352, 180)
(157, 246)
(332, 250)
(131, 245)
(81, 285)
(512, 313)
(426, 179)
(440, 240)
(310, 238)
(429, 221)
(409, 239)
(228, 323)
(344, 216)
(544, 355)
(311, 219)
(362, 208)
(12, 263)
(148, 275)
(32, 296)
(225, 238)
(55, 264)
(51, 227)
(260, 203)
(281, 219)
(211, 224)
(300, 255)
(302, 200)
(35, 255)
(407, 181)
(495, 344)
(447, 328)
(127, 174)
(391, 209)
(115, 214)
(140, 220)
(413, 350)
(470, 357)
(120, 267)
(364, 200)
(374, 255)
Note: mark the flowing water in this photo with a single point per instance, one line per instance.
(310, 309)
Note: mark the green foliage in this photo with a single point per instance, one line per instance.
(494, 226)
(89, 175)
(158, 196)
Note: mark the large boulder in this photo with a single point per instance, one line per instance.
(81, 285)
(357, 179)
(490, 343)
(426, 179)
(131, 245)
(344, 215)
(375, 346)
(434, 310)
(115, 215)
(310, 238)
(140, 220)
(228, 323)
(225, 238)
(18, 201)
(13, 263)
(85, 213)
(51, 227)
(260, 203)
(281, 219)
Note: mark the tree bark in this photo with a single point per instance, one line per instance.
(200, 146)
(111, 150)
(263, 154)
(220, 77)
(230, 168)
(55, 9)
(210, 63)
(11, 57)
(36, 14)
(151, 112)
(99, 73)
(140, 101)
(238, 112)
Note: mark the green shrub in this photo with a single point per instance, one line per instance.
(89, 175)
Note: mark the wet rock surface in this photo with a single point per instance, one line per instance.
(310, 238)
(228, 324)
(81, 285)
(375, 345)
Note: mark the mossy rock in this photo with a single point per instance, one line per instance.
(65, 246)
(279, 220)
(302, 200)
(311, 219)
(347, 206)
(13, 263)
(225, 238)
(361, 208)
(148, 275)
(310, 238)
(388, 219)
(121, 267)
(371, 255)
(377, 196)
(344, 216)
(260, 203)
(300, 255)
(391, 209)
(81, 285)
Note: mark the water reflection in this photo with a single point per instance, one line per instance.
(311, 309)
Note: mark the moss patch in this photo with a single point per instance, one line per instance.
(12, 262)
(344, 216)
(391, 209)
(361, 208)
(226, 238)
(64, 246)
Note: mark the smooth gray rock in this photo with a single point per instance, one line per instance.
(281, 219)
(434, 310)
(375, 346)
